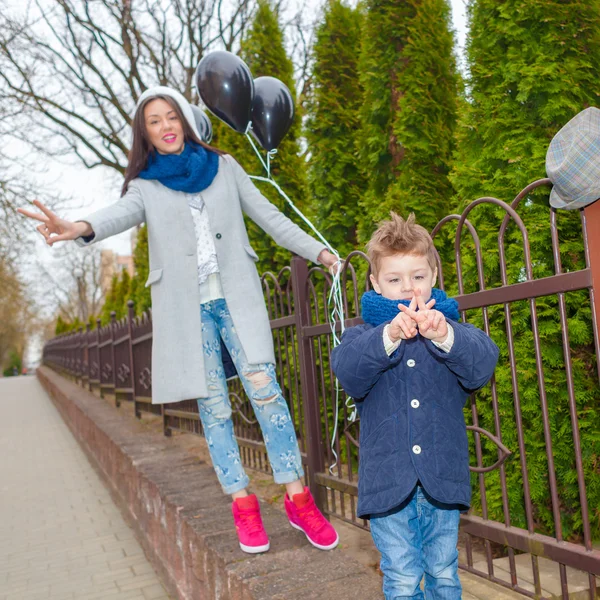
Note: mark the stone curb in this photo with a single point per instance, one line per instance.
(175, 505)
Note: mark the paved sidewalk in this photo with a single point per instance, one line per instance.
(61, 535)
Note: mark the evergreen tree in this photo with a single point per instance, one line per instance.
(123, 290)
(111, 300)
(533, 66)
(61, 326)
(139, 293)
(14, 364)
(409, 110)
(116, 297)
(263, 51)
(134, 288)
(335, 178)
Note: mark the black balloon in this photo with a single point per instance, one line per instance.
(272, 111)
(203, 124)
(225, 85)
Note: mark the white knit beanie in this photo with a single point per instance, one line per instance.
(184, 105)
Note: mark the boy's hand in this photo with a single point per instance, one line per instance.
(431, 323)
(403, 327)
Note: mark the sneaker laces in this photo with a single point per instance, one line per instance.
(251, 521)
(311, 515)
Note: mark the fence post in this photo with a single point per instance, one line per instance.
(86, 371)
(98, 361)
(130, 317)
(67, 353)
(308, 381)
(70, 336)
(165, 419)
(79, 363)
(113, 325)
(591, 219)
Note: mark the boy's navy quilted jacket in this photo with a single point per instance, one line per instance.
(411, 403)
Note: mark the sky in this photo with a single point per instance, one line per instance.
(91, 189)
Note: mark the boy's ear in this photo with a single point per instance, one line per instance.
(374, 283)
(434, 281)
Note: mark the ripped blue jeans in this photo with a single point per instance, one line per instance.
(270, 408)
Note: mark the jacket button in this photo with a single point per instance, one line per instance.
(415, 403)
(218, 236)
(410, 362)
(416, 449)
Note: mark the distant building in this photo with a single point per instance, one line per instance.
(112, 264)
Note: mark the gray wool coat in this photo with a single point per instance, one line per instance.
(177, 356)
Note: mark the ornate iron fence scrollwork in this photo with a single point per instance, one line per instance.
(145, 378)
(503, 449)
(123, 372)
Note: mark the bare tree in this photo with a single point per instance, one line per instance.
(73, 70)
(16, 189)
(17, 186)
(300, 29)
(71, 284)
(16, 314)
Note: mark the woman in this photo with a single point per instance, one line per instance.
(205, 287)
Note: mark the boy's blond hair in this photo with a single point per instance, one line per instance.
(399, 236)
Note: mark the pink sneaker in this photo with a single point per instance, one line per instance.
(305, 516)
(249, 526)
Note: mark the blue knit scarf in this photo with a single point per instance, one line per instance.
(191, 171)
(377, 310)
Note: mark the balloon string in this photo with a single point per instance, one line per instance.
(335, 293)
(270, 156)
(262, 162)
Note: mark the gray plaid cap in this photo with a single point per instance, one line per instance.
(573, 162)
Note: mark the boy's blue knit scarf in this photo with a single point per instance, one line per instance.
(191, 171)
(377, 310)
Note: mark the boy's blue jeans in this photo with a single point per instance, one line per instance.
(270, 408)
(419, 538)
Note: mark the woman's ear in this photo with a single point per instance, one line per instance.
(374, 283)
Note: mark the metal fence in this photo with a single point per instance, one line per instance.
(498, 287)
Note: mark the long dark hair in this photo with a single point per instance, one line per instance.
(141, 148)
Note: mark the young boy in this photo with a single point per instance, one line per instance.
(410, 369)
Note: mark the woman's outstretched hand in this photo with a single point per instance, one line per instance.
(329, 260)
(53, 228)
